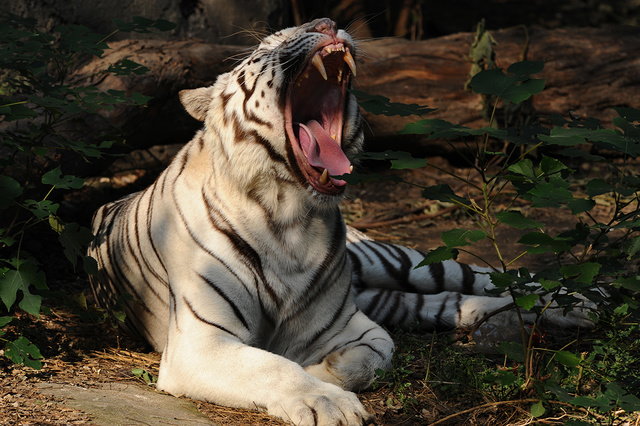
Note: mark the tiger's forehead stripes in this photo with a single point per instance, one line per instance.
(248, 94)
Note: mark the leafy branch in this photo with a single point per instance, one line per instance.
(531, 168)
(36, 102)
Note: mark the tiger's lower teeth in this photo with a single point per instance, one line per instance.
(325, 177)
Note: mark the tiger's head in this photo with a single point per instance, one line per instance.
(284, 115)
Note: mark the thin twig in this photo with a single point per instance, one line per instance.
(379, 224)
(497, 403)
(406, 219)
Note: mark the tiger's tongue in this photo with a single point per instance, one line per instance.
(322, 151)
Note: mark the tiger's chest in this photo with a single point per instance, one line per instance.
(286, 270)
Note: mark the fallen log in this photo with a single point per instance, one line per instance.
(587, 71)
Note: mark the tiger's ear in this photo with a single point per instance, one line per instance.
(196, 101)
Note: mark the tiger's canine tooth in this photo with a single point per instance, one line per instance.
(317, 62)
(349, 60)
(325, 177)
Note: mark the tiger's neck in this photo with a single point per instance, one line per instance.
(260, 206)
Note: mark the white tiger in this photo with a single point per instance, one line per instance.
(238, 259)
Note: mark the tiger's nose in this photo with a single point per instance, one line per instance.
(324, 26)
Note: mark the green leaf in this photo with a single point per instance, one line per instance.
(581, 205)
(90, 265)
(502, 279)
(380, 105)
(632, 247)
(119, 315)
(537, 409)
(438, 128)
(524, 167)
(632, 284)
(140, 24)
(9, 287)
(438, 255)
(560, 393)
(527, 301)
(614, 391)
(551, 166)
(629, 403)
(549, 284)
(629, 114)
(601, 403)
(545, 242)
(443, 192)
(41, 209)
(55, 178)
(598, 186)
(580, 154)
(74, 238)
(526, 68)
(505, 378)
(355, 178)
(126, 67)
(138, 98)
(10, 189)
(31, 303)
(7, 240)
(14, 280)
(567, 358)
(56, 224)
(4, 321)
(462, 237)
(22, 351)
(77, 39)
(16, 111)
(398, 159)
(144, 375)
(513, 350)
(627, 224)
(566, 136)
(516, 87)
(582, 273)
(546, 194)
(517, 220)
(621, 309)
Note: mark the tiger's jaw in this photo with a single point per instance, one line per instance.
(314, 116)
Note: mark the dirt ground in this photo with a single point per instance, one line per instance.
(80, 348)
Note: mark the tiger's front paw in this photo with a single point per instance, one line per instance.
(348, 369)
(330, 406)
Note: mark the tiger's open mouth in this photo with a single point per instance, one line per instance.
(315, 117)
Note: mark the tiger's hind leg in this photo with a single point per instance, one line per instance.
(353, 356)
(441, 311)
(391, 291)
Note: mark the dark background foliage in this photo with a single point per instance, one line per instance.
(236, 21)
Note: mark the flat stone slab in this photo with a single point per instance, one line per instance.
(121, 404)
